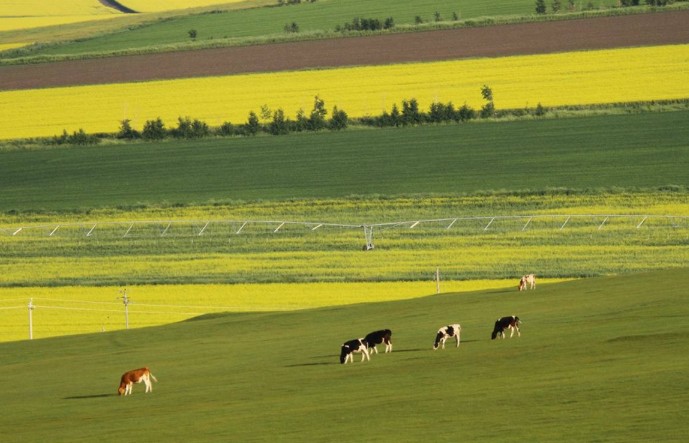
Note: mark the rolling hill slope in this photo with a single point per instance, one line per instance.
(601, 359)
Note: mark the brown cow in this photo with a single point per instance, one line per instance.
(135, 376)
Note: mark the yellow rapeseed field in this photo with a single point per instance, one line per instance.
(8, 46)
(168, 5)
(27, 14)
(573, 78)
(80, 310)
(43, 8)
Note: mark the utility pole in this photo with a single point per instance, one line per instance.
(31, 308)
(125, 300)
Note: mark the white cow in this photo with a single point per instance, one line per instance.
(446, 332)
(527, 282)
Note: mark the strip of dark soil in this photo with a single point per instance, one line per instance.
(503, 40)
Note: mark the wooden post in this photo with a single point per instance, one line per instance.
(437, 280)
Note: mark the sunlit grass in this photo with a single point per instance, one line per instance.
(88, 309)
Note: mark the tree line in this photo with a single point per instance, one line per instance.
(276, 122)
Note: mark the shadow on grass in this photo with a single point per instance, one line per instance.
(320, 363)
(86, 397)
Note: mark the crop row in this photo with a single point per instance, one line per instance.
(230, 252)
(608, 76)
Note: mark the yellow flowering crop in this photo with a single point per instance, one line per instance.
(27, 14)
(43, 8)
(78, 310)
(573, 78)
(8, 46)
(168, 5)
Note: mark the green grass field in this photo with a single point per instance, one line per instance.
(622, 151)
(598, 360)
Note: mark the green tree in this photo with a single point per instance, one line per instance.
(410, 112)
(540, 6)
(439, 112)
(302, 122)
(279, 125)
(465, 113)
(317, 117)
(488, 110)
(338, 120)
(153, 130)
(226, 129)
(252, 125)
(126, 131)
(395, 116)
(291, 28)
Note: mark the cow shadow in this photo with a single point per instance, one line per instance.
(91, 396)
(320, 363)
(324, 360)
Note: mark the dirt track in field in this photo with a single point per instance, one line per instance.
(514, 39)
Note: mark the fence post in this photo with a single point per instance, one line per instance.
(437, 280)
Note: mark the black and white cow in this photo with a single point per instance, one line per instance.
(379, 337)
(511, 323)
(446, 332)
(349, 348)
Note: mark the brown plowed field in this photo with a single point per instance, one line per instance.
(514, 39)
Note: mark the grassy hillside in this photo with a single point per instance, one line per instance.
(600, 359)
(631, 151)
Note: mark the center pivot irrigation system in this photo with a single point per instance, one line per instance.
(191, 228)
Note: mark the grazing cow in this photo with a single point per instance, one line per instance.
(349, 348)
(446, 332)
(378, 337)
(511, 323)
(527, 282)
(135, 376)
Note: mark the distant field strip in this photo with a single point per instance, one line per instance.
(79, 310)
(574, 78)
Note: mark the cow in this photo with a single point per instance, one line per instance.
(527, 282)
(136, 376)
(378, 337)
(511, 323)
(349, 348)
(446, 332)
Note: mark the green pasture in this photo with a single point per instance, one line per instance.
(246, 24)
(635, 151)
(598, 360)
